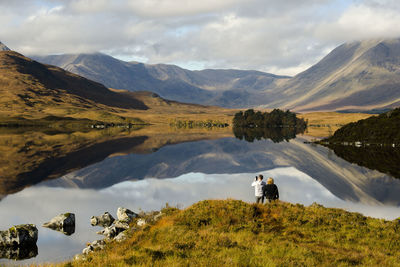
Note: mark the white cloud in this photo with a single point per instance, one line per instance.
(363, 21)
(276, 36)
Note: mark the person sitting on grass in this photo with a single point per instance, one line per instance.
(259, 188)
(271, 190)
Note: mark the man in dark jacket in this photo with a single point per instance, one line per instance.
(271, 190)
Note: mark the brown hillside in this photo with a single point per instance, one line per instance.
(31, 89)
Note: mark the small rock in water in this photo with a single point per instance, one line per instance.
(64, 223)
(126, 215)
(104, 220)
(19, 235)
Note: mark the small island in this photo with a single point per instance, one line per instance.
(276, 125)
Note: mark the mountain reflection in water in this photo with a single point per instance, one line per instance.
(229, 155)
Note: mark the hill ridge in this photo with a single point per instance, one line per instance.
(3, 47)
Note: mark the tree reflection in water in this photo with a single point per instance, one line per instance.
(276, 134)
(383, 159)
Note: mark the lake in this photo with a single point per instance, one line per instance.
(44, 174)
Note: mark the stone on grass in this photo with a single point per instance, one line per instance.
(104, 220)
(141, 222)
(157, 216)
(121, 224)
(95, 245)
(126, 215)
(110, 232)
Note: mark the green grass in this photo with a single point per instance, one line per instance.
(235, 233)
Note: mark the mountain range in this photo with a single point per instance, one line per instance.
(360, 75)
(226, 88)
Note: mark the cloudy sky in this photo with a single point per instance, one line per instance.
(278, 36)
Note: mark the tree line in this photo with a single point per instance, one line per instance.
(275, 118)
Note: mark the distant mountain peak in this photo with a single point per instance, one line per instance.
(3, 47)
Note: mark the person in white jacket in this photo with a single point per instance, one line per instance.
(258, 188)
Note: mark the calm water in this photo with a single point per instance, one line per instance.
(184, 173)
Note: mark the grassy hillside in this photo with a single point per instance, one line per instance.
(32, 91)
(235, 233)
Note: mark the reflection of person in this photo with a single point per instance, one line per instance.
(271, 190)
(259, 188)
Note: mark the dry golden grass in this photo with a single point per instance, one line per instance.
(324, 124)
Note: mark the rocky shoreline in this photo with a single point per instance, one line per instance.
(117, 229)
(19, 241)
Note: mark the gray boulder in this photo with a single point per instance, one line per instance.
(110, 232)
(64, 223)
(19, 235)
(104, 220)
(126, 215)
(95, 245)
(121, 224)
